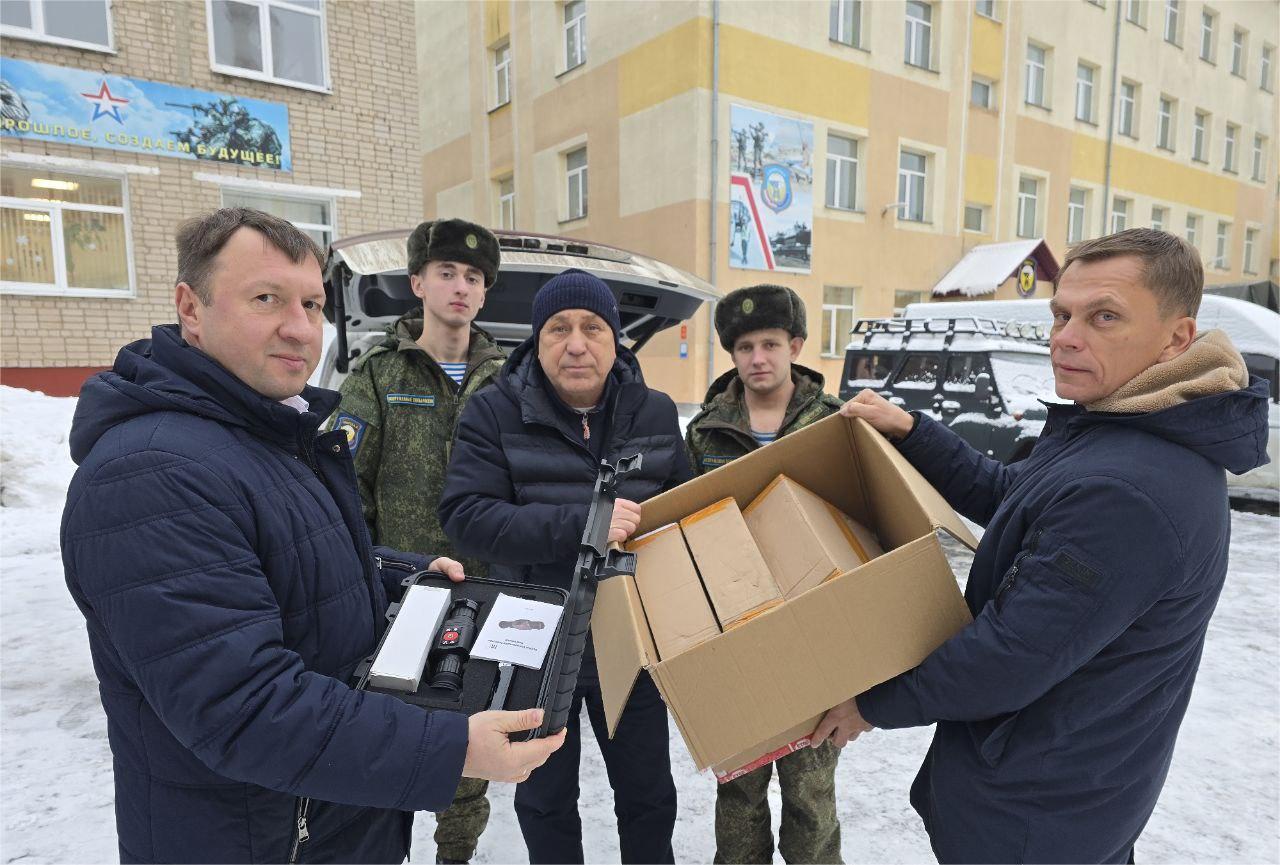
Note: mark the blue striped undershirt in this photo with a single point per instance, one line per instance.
(763, 437)
(455, 371)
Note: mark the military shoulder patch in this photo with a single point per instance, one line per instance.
(353, 426)
(421, 400)
(712, 461)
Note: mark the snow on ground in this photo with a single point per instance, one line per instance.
(1220, 804)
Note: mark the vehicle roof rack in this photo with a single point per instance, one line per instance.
(1027, 331)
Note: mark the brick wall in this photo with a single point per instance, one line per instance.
(363, 136)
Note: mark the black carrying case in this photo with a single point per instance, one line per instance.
(529, 688)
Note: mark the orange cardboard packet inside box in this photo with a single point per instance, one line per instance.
(675, 603)
(758, 689)
(735, 574)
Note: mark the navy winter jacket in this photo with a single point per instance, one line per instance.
(1104, 554)
(216, 547)
(521, 473)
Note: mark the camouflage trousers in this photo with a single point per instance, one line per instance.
(809, 830)
(459, 828)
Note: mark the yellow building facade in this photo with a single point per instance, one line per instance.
(928, 128)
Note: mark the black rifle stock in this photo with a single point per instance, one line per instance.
(596, 561)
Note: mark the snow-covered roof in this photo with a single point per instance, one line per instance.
(985, 267)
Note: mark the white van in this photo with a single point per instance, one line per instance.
(1254, 329)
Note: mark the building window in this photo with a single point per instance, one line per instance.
(1084, 92)
(1028, 196)
(1239, 52)
(980, 93)
(975, 218)
(912, 173)
(986, 8)
(902, 299)
(846, 22)
(1133, 12)
(1259, 158)
(1037, 59)
(575, 164)
(575, 33)
(1128, 108)
(1119, 214)
(837, 319)
(1077, 215)
(1193, 229)
(1229, 148)
(1220, 249)
(1208, 22)
(842, 172)
(85, 24)
(1250, 237)
(502, 75)
(1171, 21)
(1264, 76)
(507, 203)
(1164, 124)
(270, 40)
(63, 233)
(919, 34)
(1158, 215)
(313, 216)
(1200, 137)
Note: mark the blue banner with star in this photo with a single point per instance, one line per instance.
(76, 106)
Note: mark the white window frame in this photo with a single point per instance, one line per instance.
(832, 345)
(1200, 137)
(501, 75)
(905, 196)
(55, 209)
(1127, 107)
(1239, 52)
(982, 218)
(852, 40)
(1117, 214)
(1250, 236)
(1077, 212)
(331, 228)
(1166, 132)
(1264, 67)
(918, 36)
(583, 189)
(1208, 35)
(989, 11)
(979, 80)
(577, 26)
(1158, 224)
(1259, 172)
(854, 164)
(1192, 232)
(1031, 201)
(1085, 92)
(36, 32)
(1133, 12)
(507, 203)
(1034, 70)
(264, 38)
(1222, 246)
(1229, 139)
(1172, 21)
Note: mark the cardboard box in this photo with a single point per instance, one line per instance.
(760, 688)
(733, 572)
(805, 540)
(678, 609)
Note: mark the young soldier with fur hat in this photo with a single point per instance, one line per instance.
(767, 395)
(398, 408)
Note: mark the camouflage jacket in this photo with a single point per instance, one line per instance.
(399, 409)
(721, 432)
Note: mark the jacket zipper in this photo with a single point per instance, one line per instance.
(1012, 577)
(300, 832)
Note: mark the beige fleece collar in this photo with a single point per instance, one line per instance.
(1210, 365)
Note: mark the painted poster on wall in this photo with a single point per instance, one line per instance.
(770, 191)
(78, 106)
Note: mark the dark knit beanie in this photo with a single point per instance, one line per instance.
(575, 289)
(455, 240)
(759, 307)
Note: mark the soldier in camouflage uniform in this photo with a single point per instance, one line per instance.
(399, 407)
(765, 396)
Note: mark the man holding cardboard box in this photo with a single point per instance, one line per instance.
(517, 494)
(1105, 551)
(765, 396)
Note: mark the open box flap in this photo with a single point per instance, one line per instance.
(909, 480)
(623, 644)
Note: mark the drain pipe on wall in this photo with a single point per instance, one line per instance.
(712, 344)
(1111, 122)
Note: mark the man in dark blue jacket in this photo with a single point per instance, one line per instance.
(1104, 554)
(516, 494)
(216, 547)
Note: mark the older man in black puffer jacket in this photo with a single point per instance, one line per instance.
(516, 495)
